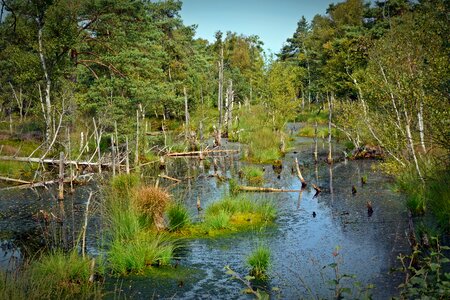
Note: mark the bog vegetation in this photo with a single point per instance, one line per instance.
(96, 79)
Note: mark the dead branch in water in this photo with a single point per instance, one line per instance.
(198, 153)
(264, 189)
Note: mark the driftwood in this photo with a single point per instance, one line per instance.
(198, 153)
(170, 178)
(264, 189)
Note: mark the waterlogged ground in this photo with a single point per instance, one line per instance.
(307, 231)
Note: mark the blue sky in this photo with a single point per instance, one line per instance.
(272, 20)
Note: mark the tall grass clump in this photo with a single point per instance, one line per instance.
(259, 262)
(136, 255)
(178, 216)
(63, 275)
(133, 216)
(253, 175)
(151, 202)
(122, 185)
(217, 221)
(56, 275)
(257, 131)
(438, 196)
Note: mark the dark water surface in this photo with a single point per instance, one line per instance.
(301, 244)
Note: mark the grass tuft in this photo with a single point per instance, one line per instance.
(178, 216)
(259, 262)
(253, 174)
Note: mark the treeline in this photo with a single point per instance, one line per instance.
(106, 59)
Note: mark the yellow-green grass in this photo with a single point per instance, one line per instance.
(231, 214)
(253, 174)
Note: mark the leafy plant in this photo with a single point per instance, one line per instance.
(426, 275)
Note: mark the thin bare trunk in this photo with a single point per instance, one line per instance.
(421, 129)
(136, 154)
(330, 108)
(127, 160)
(411, 146)
(220, 93)
(48, 83)
(315, 142)
(186, 114)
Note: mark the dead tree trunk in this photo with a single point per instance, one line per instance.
(411, 145)
(48, 83)
(315, 142)
(220, 92)
(186, 114)
(136, 154)
(330, 108)
(61, 176)
(421, 127)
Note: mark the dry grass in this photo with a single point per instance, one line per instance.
(152, 202)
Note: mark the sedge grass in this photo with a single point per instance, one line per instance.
(253, 174)
(178, 216)
(259, 262)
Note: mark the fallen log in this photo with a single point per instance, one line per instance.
(264, 189)
(198, 153)
(51, 161)
(45, 183)
(170, 178)
(15, 180)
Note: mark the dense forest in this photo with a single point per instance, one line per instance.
(80, 74)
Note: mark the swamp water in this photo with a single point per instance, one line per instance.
(305, 235)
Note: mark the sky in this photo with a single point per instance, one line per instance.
(272, 20)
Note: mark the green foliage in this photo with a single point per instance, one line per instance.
(259, 262)
(427, 279)
(178, 216)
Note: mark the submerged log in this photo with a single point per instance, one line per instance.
(264, 189)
